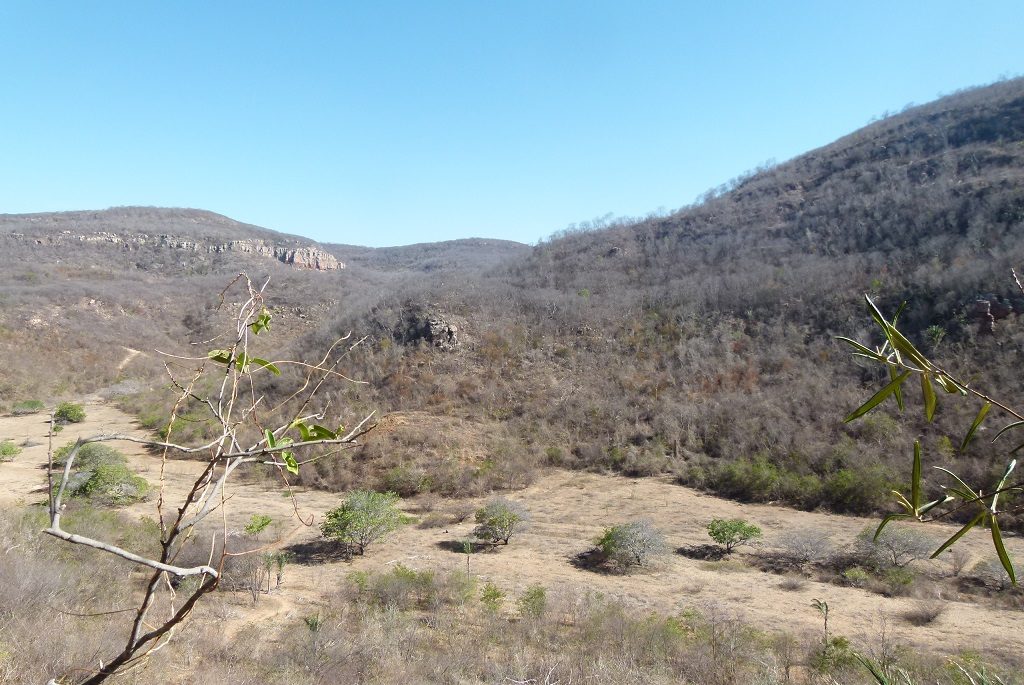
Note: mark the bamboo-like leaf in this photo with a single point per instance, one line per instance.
(982, 413)
(915, 478)
(876, 314)
(960, 533)
(263, 363)
(903, 501)
(1002, 482)
(967, 489)
(899, 310)
(934, 503)
(1004, 558)
(928, 392)
(901, 343)
(1007, 427)
(876, 672)
(887, 519)
(877, 398)
(864, 350)
(947, 384)
(898, 392)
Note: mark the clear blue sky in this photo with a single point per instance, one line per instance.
(382, 123)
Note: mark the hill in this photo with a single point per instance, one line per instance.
(698, 344)
(701, 343)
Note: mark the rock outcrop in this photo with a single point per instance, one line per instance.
(299, 256)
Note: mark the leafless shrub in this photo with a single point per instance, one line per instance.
(793, 582)
(805, 545)
(924, 612)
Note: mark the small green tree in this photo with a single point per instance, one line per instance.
(363, 518)
(632, 543)
(69, 412)
(731, 533)
(498, 520)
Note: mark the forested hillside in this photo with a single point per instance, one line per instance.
(699, 344)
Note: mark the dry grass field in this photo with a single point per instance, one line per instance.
(569, 510)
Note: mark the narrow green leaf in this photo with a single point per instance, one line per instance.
(1002, 482)
(960, 533)
(290, 464)
(1009, 426)
(900, 343)
(887, 519)
(876, 314)
(303, 430)
(263, 363)
(1004, 558)
(963, 488)
(269, 435)
(982, 413)
(929, 396)
(934, 503)
(903, 501)
(877, 398)
(899, 310)
(898, 392)
(915, 479)
(947, 384)
(876, 672)
(862, 349)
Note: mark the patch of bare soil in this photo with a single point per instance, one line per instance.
(569, 510)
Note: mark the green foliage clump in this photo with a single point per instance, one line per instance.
(257, 524)
(363, 518)
(69, 412)
(26, 407)
(90, 455)
(492, 596)
(8, 450)
(731, 533)
(110, 484)
(632, 543)
(533, 602)
(498, 520)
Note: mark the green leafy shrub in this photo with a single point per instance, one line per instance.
(8, 450)
(492, 596)
(69, 412)
(26, 407)
(856, 576)
(90, 455)
(731, 533)
(533, 602)
(112, 484)
(498, 520)
(363, 518)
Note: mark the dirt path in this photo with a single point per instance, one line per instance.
(569, 510)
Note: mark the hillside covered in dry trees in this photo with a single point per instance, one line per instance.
(698, 343)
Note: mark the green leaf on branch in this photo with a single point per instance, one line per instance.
(262, 323)
(898, 392)
(915, 479)
(290, 464)
(877, 398)
(928, 393)
(1004, 558)
(887, 520)
(982, 413)
(960, 533)
(220, 356)
(243, 361)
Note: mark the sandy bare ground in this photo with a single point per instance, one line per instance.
(569, 510)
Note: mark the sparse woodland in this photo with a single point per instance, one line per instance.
(697, 346)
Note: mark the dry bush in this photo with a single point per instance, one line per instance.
(793, 582)
(805, 546)
(924, 612)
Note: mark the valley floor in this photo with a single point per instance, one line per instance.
(569, 510)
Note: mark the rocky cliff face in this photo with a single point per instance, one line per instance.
(299, 256)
